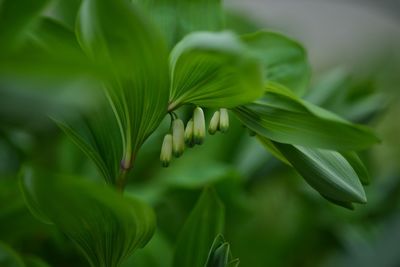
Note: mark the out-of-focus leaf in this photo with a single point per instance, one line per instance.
(220, 254)
(178, 18)
(116, 34)
(284, 60)
(32, 261)
(16, 17)
(8, 257)
(282, 117)
(326, 171)
(197, 235)
(65, 12)
(213, 70)
(105, 226)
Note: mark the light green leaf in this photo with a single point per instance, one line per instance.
(114, 33)
(282, 117)
(16, 17)
(197, 235)
(177, 18)
(284, 60)
(326, 171)
(213, 70)
(8, 257)
(105, 226)
(220, 254)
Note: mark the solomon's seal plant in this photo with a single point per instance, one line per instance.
(151, 60)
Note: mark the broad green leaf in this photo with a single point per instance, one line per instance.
(16, 17)
(65, 11)
(213, 70)
(104, 225)
(8, 257)
(98, 136)
(284, 60)
(178, 18)
(220, 254)
(282, 117)
(326, 171)
(197, 235)
(115, 33)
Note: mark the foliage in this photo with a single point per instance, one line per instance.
(144, 70)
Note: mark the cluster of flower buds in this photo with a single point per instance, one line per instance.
(219, 121)
(193, 134)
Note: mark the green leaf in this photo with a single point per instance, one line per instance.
(197, 235)
(105, 226)
(115, 34)
(282, 117)
(180, 17)
(8, 257)
(99, 137)
(16, 17)
(284, 60)
(326, 171)
(358, 166)
(213, 70)
(220, 254)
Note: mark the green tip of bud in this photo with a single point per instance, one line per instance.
(223, 120)
(214, 123)
(178, 137)
(189, 133)
(199, 126)
(166, 150)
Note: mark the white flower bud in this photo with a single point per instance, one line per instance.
(223, 120)
(178, 137)
(189, 133)
(199, 126)
(166, 150)
(214, 123)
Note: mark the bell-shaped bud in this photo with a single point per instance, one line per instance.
(214, 123)
(166, 150)
(223, 120)
(178, 137)
(199, 126)
(189, 133)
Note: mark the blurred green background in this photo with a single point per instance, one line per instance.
(273, 218)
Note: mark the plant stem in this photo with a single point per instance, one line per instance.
(123, 175)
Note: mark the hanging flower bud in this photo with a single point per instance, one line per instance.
(166, 151)
(178, 137)
(223, 120)
(189, 133)
(214, 123)
(199, 126)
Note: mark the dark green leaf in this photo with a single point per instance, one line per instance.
(99, 137)
(326, 171)
(8, 257)
(358, 166)
(282, 117)
(213, 70)
(220, 254)
(115, 34)
(105, 226)
(284, 60)
(197, 235)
